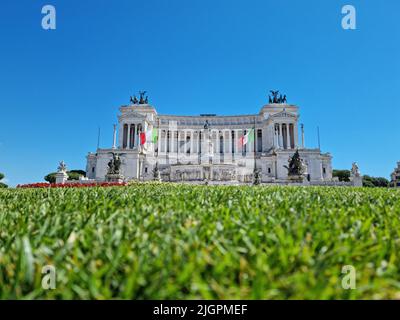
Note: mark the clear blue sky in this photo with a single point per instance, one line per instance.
(196, 56)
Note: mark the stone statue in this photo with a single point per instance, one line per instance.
(156, 173)
(206, 125)
(355, 175)
(355, 171)
(295, 165)
(62, 167)
(114, 164)
(257, 177)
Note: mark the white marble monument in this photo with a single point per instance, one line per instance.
(209, 147)
(61, 174)
(395, 177)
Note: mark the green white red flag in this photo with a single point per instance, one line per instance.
(247, 138)
(150, 135)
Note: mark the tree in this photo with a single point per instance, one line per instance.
(375, 182)
(343, 175)
(72, 175)
(51, 177)
(75, 174)
(2, 185)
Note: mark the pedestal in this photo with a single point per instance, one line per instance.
(61, 177)
(295, 178)
(357, 181)
(115, 178)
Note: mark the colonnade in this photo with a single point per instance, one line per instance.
(284, 135)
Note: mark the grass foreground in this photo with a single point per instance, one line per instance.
(165, 241)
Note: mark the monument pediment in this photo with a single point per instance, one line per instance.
(132, 115)
(283, 114)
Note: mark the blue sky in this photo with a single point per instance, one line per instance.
(221, 56)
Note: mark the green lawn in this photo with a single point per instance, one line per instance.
(177, 241)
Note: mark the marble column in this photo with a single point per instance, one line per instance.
(288, 143)
(135, 135)
(114, 145)
(172, 142)
(191, 134)
(178, 141)
(159, 141)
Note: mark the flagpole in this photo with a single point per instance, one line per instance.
(98, 139)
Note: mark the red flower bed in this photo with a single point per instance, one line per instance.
(70, 185)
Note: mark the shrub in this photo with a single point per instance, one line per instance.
(343, 175)
(72, 175)
(375, 182)
(2, 185)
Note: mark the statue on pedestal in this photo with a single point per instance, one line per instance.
(295, 168)
(257, 177)
(355, 175)
(113, 172)
(114, 164)
(156, 173)
(355, 171)
(61, 175)
(62, 167)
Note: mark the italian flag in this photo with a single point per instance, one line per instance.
(150, 135)
(248, 137)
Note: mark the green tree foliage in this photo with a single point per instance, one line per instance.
(72, 175)
(2, 185)
(51, 177)
(343, 175)
(375, 182)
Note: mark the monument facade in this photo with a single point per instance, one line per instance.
(210, 148)
(395, 176)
